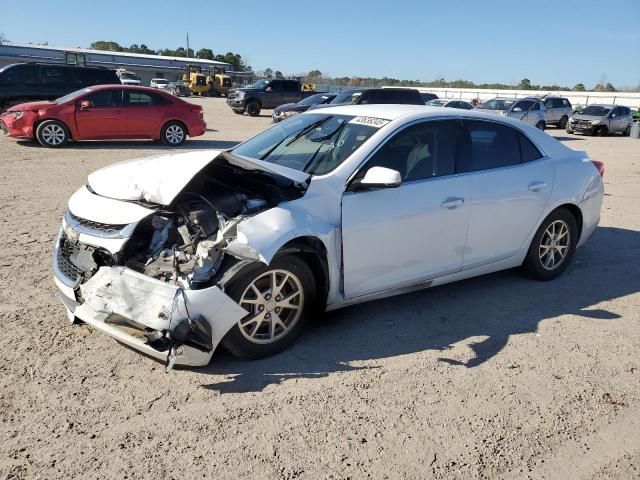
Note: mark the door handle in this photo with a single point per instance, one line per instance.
(537, 186)
(452, 202)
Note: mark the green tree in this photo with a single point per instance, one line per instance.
(104, 45)
(205, 53)
(268, 73)
(525, 84)
(278, 74)
(579, 87)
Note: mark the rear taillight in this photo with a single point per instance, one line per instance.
(599, 166)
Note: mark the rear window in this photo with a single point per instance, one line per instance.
(391, 96)
(142, 99)
(51, 75)
(93, 76)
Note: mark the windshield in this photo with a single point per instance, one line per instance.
(436, 103)
(160, 81)
(73, 95)
(313, 143)
(314, 99)
(595, 110)
(344, 97)
(260, 84)
(129, 76)
(497, 104)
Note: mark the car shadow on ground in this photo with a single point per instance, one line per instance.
(568, 139)
(190, 144)
(492, 307)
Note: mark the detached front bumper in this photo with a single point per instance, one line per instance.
(126, 304)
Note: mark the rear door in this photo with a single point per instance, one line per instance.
(511, 182)
(291, 92)
(104, 118)
(273, 95)
(145, 113)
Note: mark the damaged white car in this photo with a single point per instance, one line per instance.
(174, 255)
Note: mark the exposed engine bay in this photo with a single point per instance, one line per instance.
(184, 242)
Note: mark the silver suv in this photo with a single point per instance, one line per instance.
(530, 109)
(601, 120)
(558, 111)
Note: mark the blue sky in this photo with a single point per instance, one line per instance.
(561, 41)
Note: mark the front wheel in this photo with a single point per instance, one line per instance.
(553, 246)
(52, 134)
(602, 131)
(173, 134)
(279, 298)
(253, 109)
(540, 125)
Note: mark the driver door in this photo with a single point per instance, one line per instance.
(104, 117)
(395, 237)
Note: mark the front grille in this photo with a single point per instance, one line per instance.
(110, 228)
(65, 250)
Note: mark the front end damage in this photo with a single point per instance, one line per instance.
(152, 275)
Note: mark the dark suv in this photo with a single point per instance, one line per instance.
(23, 82)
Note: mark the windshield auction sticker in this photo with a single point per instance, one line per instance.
(371, 121)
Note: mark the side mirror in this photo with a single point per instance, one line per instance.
(614, 115)
(517, 109)
(379, 177)
(85, 104)
(268, 89)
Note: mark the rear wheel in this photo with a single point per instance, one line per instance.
(253, 108)
(52, 134)
(563, 122)
(173, 133)
(553, 246)
(279, 298)
(627, 131)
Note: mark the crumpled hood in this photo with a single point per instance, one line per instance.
(155, 179)
(160, 179)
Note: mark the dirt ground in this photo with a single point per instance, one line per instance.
(498, 377)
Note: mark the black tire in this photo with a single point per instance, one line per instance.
(253, 108)
(533, 264)
(540, 125)
(569, 131)
(238, 112)
(173, 134)
(236, 342)
(52, 134)
(627, 132)
(601, 131)
(563, 122)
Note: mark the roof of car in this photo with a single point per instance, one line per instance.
(393, 112)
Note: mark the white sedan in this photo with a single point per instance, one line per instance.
(176, 254)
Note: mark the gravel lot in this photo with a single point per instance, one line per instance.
(494, 377)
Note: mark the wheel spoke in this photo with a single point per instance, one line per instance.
(286, 302)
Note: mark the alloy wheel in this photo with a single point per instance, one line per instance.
(274, 300)
(53, 134)
(554, 245)
(174, 134)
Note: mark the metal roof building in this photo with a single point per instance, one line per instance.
(144, 65)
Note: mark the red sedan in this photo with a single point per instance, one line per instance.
(106, 112)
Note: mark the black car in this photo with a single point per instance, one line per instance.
(368, 96)
(427, 97)
(289, 109)
(23, 82)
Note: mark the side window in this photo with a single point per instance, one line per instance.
(489, 145)
(419, 152)
(523, 106)
(566, 103)
(550, 103)
(615, 111)
(535, 106)
(53, 76)
(144, 99)
(21, 75)
(276, 86)
(290, 87)
(106, 98)
(528, 151)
